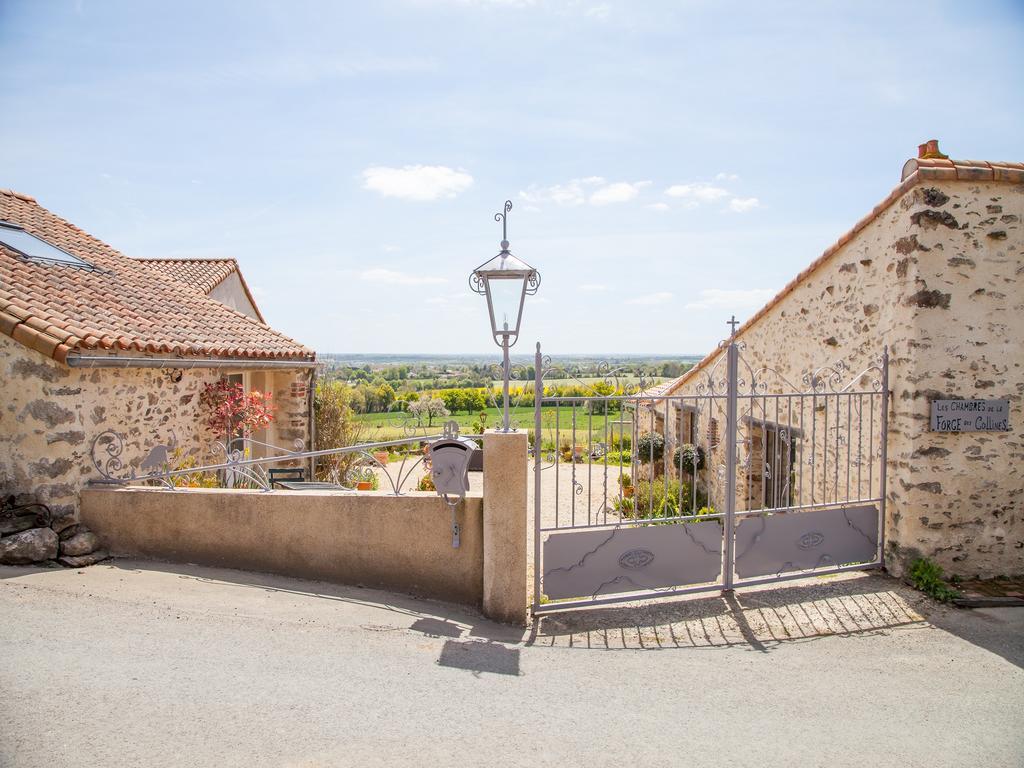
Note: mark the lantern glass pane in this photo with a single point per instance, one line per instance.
(506, 295)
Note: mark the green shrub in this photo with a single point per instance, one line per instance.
(624, 458)
(688, 458)
(927, 577)
(660, 499)
(650, 446)
(620, 442)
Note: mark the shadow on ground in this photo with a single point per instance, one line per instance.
(759, 618)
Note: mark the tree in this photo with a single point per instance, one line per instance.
(453, 399)
(336, 427)
(385, 395)
(430, 408)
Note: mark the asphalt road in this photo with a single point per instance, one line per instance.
(149, 664)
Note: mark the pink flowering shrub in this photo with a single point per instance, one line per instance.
(230, 409)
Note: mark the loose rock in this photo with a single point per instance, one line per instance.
(80, 544)
(80, 562)
(71, 530)
(62, 522)
(17, 524)
(31, 546)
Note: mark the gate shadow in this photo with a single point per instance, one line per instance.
(759, 618)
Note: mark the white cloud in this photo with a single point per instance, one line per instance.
(743, 204)
(599, 12)
(560, 194)
(593, 288)
(731, 299)
(651, 298)
(619, 192)
(659, 206)
(392, 277)
(595, 190)
(697, 191)
(417, 182)
(726, 177)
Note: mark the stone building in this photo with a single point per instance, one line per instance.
(935, 272)
(91, 341)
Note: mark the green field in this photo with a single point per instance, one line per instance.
(625, 380)
(388, 426)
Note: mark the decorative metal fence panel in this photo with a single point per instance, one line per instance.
(738, 476)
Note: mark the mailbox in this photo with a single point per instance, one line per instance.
(449, 469)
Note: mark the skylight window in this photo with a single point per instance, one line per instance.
(35, 248)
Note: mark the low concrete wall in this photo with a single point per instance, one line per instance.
(401, 543)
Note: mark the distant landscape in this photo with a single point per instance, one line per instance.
(393, 393)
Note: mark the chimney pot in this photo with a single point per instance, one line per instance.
(930, 150)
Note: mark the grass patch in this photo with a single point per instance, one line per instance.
(926, 576)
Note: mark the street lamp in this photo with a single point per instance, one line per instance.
(506, 282)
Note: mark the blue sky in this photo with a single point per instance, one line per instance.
(669, 163)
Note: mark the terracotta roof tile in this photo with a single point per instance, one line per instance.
(915, 171)
(202, 274)
(123, 303)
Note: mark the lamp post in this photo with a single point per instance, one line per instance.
(506, 281)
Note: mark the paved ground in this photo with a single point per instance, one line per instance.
(150, 664)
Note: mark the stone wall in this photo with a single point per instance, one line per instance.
(936, 276)
(51, 414)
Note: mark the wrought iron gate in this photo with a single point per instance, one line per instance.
(744, 479)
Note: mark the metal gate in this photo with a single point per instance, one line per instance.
(737, 478)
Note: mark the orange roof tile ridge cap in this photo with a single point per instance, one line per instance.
(19, 195)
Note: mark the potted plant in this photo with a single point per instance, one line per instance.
(689, 458)
(626, 484)
(365, 479)
(478, 427)
(381, 457)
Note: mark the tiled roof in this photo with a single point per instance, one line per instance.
(930, 166)
(123, 304)
(202, 274)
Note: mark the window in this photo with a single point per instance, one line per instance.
(35, 248)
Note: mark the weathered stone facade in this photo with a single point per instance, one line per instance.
(51, 413)
(937, 276)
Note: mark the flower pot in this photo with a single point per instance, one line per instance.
(627, 491)
(364, 485)
(382, 456)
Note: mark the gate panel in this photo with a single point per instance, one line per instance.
(601, 562)
(739, 477)
(772, 544)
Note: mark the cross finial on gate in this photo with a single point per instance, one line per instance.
(733, 322)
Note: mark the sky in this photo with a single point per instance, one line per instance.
(669, 163)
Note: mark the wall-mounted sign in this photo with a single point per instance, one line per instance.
(970, 415)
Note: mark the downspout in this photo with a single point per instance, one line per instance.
(311, 413)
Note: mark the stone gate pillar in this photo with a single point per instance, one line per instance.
(506, 595)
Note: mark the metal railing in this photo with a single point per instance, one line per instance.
(240, 469)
